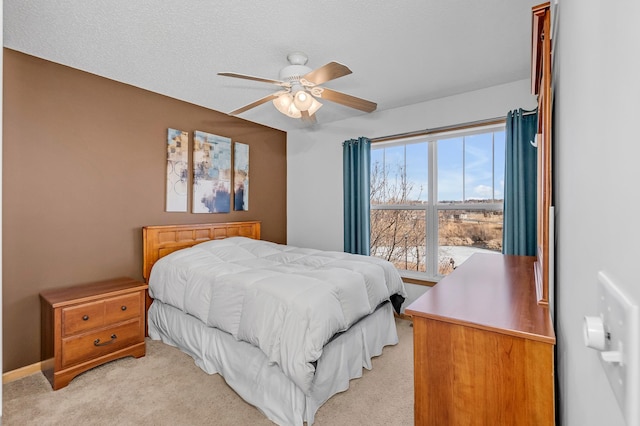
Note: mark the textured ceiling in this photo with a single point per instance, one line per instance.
(401, 52)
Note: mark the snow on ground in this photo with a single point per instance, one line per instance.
(460, 253)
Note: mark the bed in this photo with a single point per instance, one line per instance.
(286, 327)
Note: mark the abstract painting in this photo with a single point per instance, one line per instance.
(177, 170)
(241, 177)
(211, 173)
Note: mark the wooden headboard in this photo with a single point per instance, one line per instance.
(159, 241)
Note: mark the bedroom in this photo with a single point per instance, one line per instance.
(68, 225)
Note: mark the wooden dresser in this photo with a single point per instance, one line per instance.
(87, 325)
(483, 347)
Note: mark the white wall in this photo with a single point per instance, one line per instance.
(314, 157)
(597, 98)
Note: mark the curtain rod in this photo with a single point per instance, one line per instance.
(425, 132)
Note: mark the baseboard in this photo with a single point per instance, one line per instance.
(25, 371)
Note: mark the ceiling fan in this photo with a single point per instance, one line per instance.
(300, 89)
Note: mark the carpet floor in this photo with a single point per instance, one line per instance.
(165, 387)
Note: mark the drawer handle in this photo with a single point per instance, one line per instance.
(124, 308)
(97, 341)
(85, 318)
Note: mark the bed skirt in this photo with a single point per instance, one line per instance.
(246, 369)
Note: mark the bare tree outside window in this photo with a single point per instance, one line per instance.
(397, 235)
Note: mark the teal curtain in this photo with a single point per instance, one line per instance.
(520, 188)
(356, 164)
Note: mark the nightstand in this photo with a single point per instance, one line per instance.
(87, 325)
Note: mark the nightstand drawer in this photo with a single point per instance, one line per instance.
(93, 345)
(87, 316)
(122, 308)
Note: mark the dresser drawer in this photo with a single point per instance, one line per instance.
(101, 342)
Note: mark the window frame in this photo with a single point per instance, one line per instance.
(432, 206)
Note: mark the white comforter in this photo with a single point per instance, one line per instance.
(287, 301)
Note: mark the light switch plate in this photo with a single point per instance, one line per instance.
(622, 326)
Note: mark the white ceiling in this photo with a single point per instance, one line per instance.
(401, 52)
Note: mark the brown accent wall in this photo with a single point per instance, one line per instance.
(84, 162)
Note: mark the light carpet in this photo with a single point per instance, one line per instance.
(165, 387)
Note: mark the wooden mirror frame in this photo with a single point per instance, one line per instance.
(541, 86)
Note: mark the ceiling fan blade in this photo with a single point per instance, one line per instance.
(308, 118)
(347, 100)
(255, 104)
(250, 77)
(327, 72)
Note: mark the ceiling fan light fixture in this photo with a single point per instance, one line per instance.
(302, 100)
(285, 104)
(315, 106)
(283, 101)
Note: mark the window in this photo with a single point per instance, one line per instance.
(436, 199)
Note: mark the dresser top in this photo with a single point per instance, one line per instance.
(85, 292)
(492, 292)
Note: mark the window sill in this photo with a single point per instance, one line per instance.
(418, 278)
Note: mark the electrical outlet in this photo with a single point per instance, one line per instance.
(620, 357)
